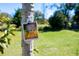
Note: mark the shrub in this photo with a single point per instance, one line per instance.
(57, 21)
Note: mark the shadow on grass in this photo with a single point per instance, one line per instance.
(76, 30)
(49, 29)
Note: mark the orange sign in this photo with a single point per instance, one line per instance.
(30, 30)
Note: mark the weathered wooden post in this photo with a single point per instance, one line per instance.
(29, 30)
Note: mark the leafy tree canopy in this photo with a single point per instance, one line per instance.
(17, 18)
(5, 17)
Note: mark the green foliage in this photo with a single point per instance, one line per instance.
(15, 45)
(4, 39)
(17, 18)
(5, 17)
(76, 16)
(57, 21)
(39, 17)
(66, 8)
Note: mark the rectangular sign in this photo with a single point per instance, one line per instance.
(30, 31)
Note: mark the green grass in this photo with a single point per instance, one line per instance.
(61, 43)
(64, 43)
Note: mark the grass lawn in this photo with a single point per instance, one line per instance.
(61, 43)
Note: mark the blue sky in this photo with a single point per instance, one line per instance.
(11, 7)
(48, 12)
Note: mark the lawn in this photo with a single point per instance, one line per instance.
(59, 43)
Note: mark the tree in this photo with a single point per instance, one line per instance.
(38, 16)
(17, 18)
(57, 21)
(4, 39)
(76, 16)
(66, 8)
(5, 17)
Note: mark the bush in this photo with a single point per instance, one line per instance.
(57, 21)
(46, 28)
(40, 28)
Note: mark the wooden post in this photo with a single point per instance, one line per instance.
(27, 45)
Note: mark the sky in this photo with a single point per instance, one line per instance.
(48, 12)
(11, 7)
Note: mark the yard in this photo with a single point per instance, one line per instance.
(59, 43)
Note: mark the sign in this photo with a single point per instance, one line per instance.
(30, 31)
